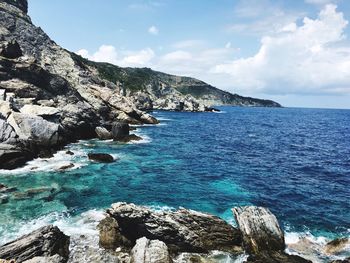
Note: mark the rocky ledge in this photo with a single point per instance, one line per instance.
(138, 234)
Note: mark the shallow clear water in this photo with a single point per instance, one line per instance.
(294, 161)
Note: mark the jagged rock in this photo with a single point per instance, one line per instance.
(101, 157)
(337, 246)
(182, 230)
(7, 133)
(103, 133)
(148, 119)
(44, 242)
(263, 238)
(120, 130)
(35, 129)
(10, 50)
(21, 4)
(150, 251)
(109, 234)
(5, 109)
(260, 229)
(12, 157)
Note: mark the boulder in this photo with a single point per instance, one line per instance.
(182, 230)
(260, 229)
(44, 242)
(103, 133)
(148, 119)
(34, 129)
(337, 246)
(120, 130)
(11, 50)
(129, 138)
(2, 95)
(263, 238)
(12, 157)
(150, 251)
(101, 157)
(109, 234)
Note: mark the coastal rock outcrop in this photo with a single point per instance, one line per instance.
(263, 238)
(47, 241)
(181, 230)
(150, 251)
(120, 130)
(101, 157)
(103, 133)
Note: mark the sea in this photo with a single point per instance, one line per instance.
(294, 161)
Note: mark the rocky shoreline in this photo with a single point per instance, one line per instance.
(131, 233)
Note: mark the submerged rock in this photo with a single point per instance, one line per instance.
(44, 242)
(263, 238)
(181, 230)
(150, 251)
(101, 157)
(131, 137)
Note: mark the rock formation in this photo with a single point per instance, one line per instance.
(150, 251)
(263, 238)
(182, 230)
(45, 242)
(101, 157)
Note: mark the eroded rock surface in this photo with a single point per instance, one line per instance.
(47, 241)
(150, 251)
(181, 230)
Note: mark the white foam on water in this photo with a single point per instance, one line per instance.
(311, 247)
(59, 160)
(145, 138)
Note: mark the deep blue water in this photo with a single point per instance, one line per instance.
(294, 161)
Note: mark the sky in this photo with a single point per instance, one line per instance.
(296, 52)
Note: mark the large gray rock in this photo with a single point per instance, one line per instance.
(260, 229)
(150, 251)
(263, 238)
(182, 230)
(120, 130)
(44, 242)
(21, 4)
(42, 111)
(53, 259)
(34, 129)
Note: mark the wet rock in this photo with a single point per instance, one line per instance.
(150, 251)
(11, 50)
(66, 167)
(6, 189)
(12, 157)
(337, 246)
(131, 137)
(120, 130)
(44, 242)
(110, 236)
(101, 157)
(69, 152)
(347, 260)
(4, 199)
(275, 257)
(103, 133)
(181, 230)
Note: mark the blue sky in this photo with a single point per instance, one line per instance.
(294, 51)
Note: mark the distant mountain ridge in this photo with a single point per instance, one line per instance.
(151, 89)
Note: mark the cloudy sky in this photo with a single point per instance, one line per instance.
(294, 51)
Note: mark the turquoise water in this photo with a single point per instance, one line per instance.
(294, 161)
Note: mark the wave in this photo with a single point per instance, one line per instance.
(312, 247)
(61, 161)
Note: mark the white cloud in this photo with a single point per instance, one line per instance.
(319, 2)
(190, 43)
(304, 59)
(153, 30)
(108, 53)
(177, 56)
